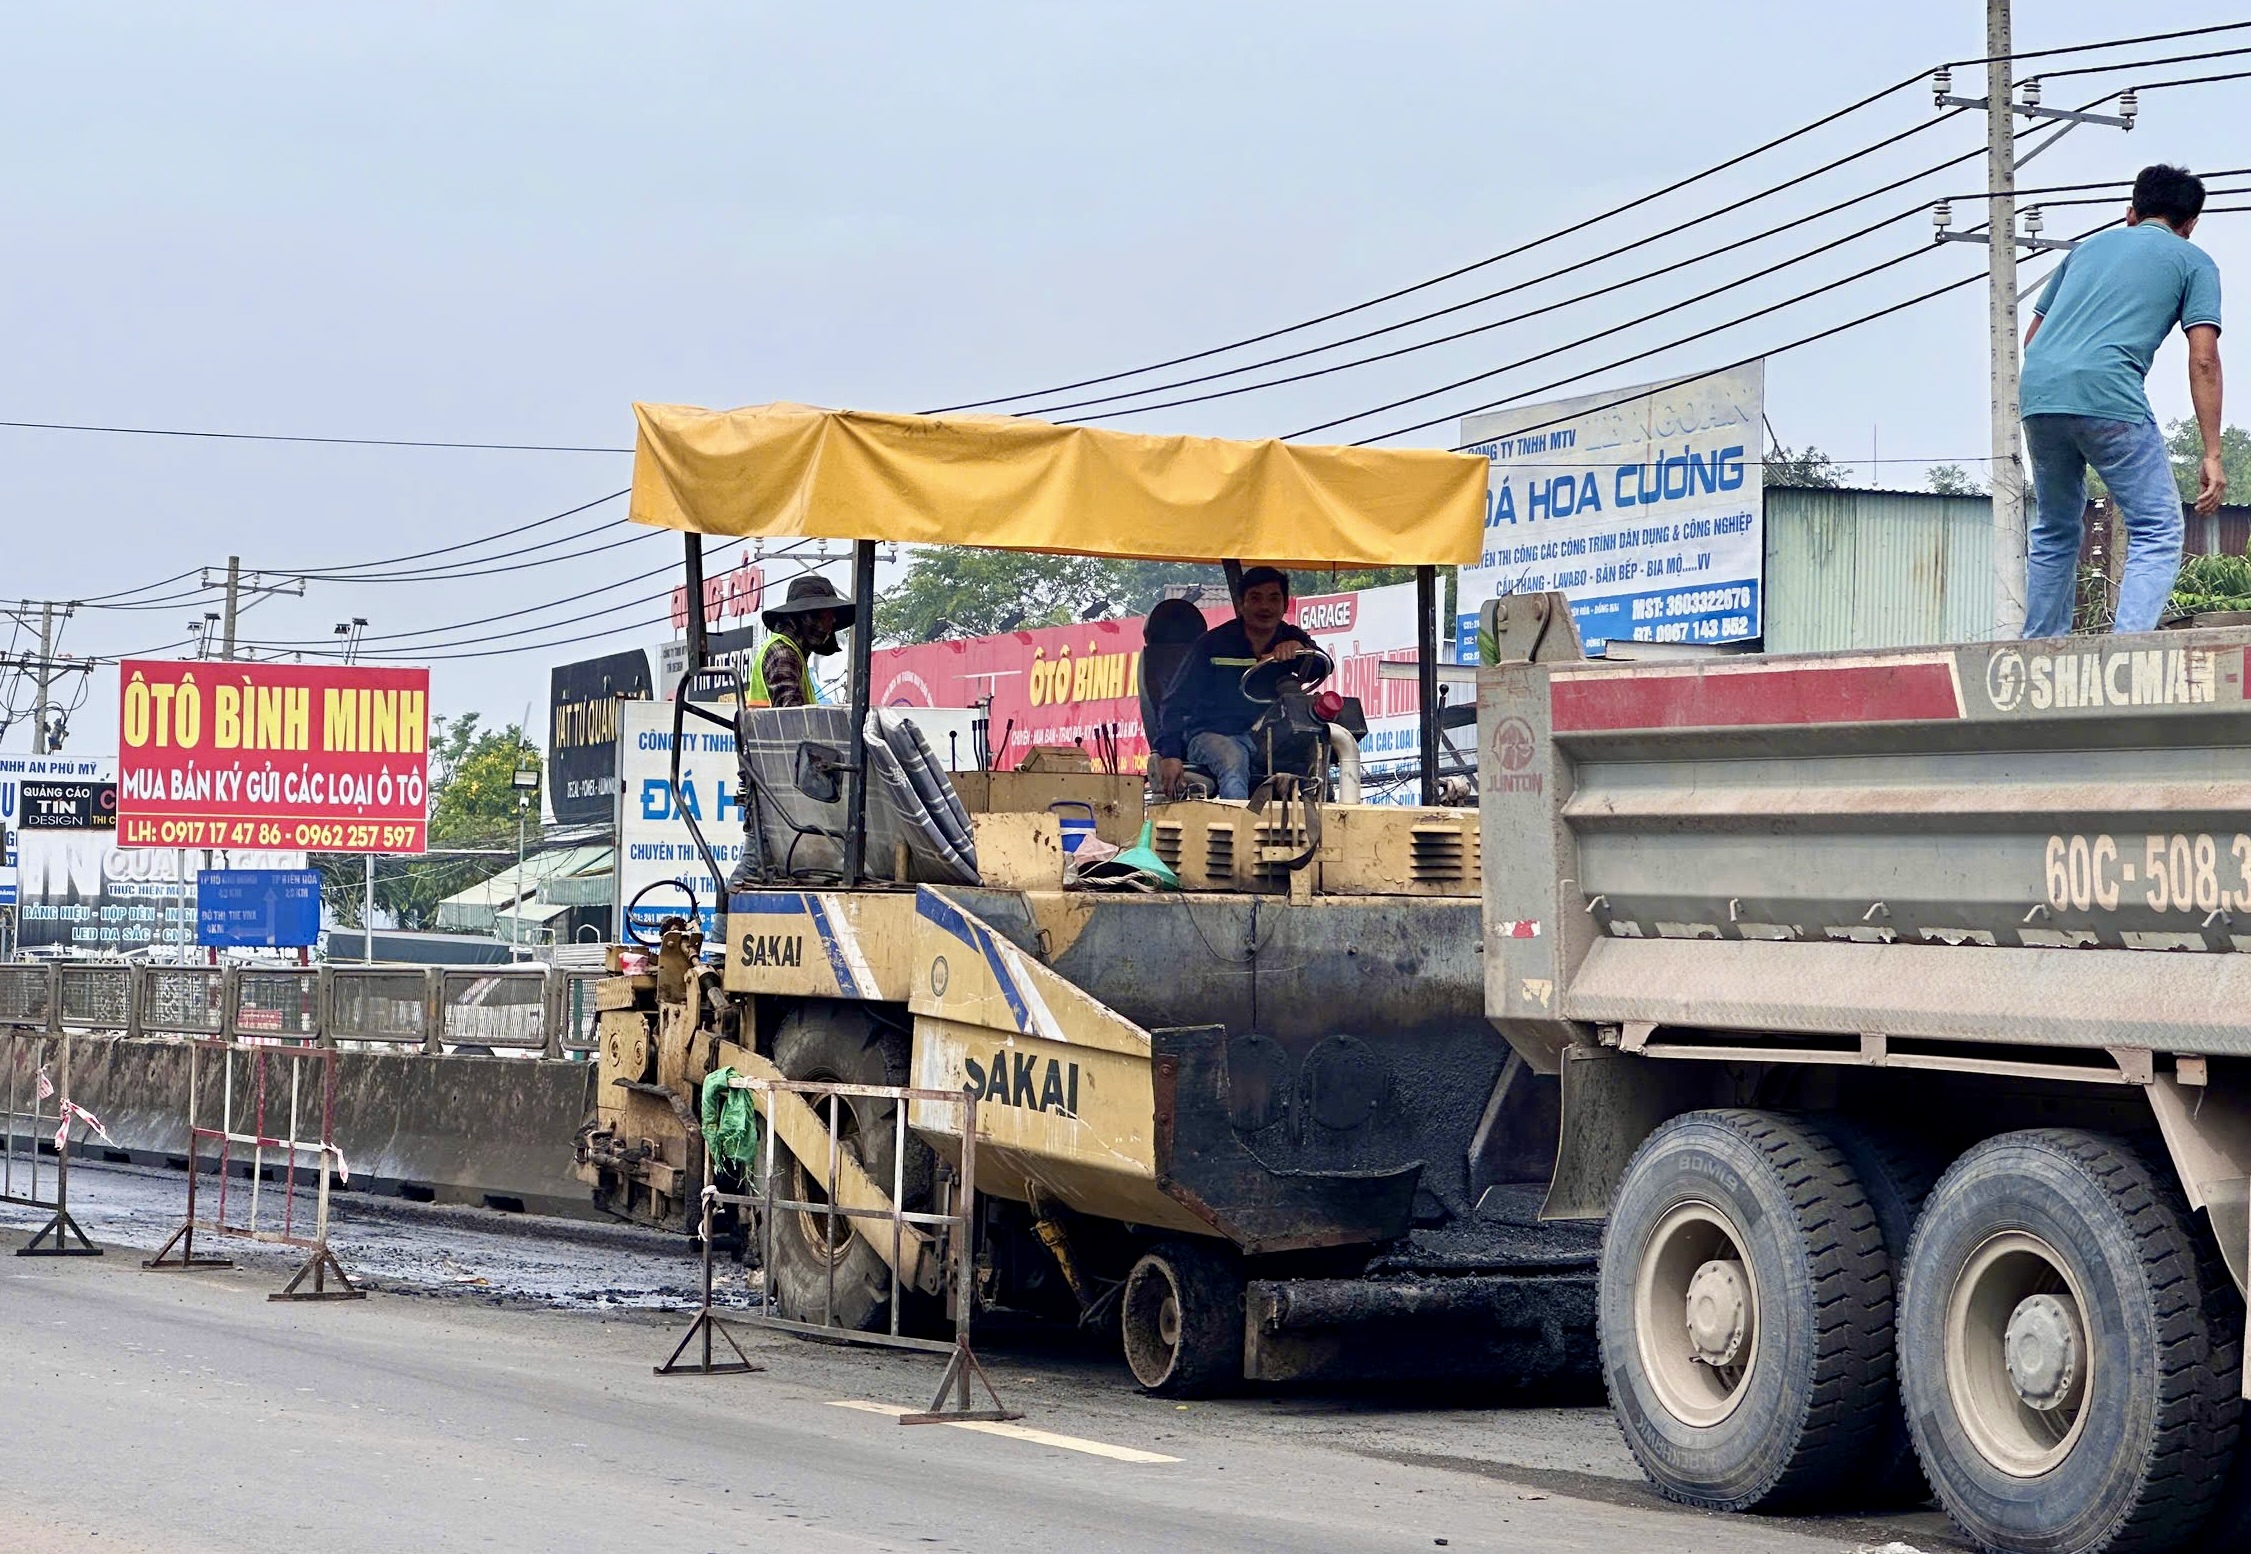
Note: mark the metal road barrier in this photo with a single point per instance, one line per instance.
(539, 1011)
(34, 1072)
(268, 1103)
(952, 1226)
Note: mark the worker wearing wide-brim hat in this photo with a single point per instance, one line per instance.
(802, 625)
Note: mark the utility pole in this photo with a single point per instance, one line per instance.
(234, 563)
(2002, 161)
(44, 678)
(45, 667)
(2001, 325)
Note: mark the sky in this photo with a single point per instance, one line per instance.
(508, 223)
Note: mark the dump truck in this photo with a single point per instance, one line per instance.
(1901, 1009)
(1258, 1125)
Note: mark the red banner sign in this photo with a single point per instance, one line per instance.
(735, 595)
(272, 755)
(1056, 685)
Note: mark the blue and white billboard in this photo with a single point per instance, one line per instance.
(1640, 505)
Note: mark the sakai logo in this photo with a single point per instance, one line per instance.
(2004, 679)
(941, 977)
(771, 949)
(1019, 1079)
(1512, 753)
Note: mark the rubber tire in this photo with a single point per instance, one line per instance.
(1819, 1383)
(1897, 1172)
(1206, 1280)
(842, 1043)
(2161, 1425)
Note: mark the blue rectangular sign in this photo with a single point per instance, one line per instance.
(257, 908)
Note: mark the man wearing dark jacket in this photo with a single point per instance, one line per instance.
(1207, 718)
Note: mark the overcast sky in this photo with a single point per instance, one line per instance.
(507, 223)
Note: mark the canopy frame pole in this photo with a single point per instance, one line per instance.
(697, 641)
(1426, 676)
(863, 672)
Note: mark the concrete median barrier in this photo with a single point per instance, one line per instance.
(485, 1131)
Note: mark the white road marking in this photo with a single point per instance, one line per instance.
(1016, 1432)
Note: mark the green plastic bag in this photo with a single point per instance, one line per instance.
(730, 1122)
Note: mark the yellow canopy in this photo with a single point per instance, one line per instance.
(785, 471)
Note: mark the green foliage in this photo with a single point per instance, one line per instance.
(1809, 466)
(974, 593)
(472, 806)
(2212, 583)
(1953, 480)
(2186, 446)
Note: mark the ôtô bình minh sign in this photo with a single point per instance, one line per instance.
(323, 758)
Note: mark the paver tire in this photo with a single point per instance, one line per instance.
(1897, 1172)
(2063, 1388)
(1744, 1307)
(1182, 1316)
(841, 1043)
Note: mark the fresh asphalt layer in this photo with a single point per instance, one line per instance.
(472, 1403)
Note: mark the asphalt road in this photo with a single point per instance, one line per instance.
(185, 1414)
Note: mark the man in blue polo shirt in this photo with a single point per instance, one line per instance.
(2101, 318)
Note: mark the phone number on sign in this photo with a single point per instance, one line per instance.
(313, 835)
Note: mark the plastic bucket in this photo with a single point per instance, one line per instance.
(1076, 828)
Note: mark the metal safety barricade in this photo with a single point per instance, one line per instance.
(952, 1224)
(277, 1102)
(35, 1092)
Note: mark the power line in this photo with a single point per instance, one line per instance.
(1588, 339)
(446, 550)
(340, 442)
(1548, 275)
(1709, 372)
(1514, 318)
(1602, 216)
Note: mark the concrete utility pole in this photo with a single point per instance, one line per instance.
(234, 583)
(2001, 324)
(44, 678)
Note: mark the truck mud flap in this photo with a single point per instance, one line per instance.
(1204, 1165)
(1531, 1331)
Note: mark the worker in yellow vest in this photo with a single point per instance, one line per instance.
(803, 625)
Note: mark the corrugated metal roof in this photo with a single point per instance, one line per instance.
(1868, 569)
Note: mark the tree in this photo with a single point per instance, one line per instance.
(2186, 447)
(1953, 480)
(472, 807)
(954, 592)
(1809, 466)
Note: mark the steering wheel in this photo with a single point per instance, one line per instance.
(633, 933)
(1263, 681)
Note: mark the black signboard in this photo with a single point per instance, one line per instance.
(582, 732)
(68, 806)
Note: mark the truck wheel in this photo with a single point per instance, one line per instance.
(1743, 1308)
(840, 1043)
(1182, 1313)
(1897, 1172)
(2063, 1389)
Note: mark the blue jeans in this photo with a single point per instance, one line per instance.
(2131, 458)
(1230, 758)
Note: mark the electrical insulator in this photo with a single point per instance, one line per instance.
(1942, 215)
(2129, 106)
(2032, 93)
(2033, 222)
(1942, 85)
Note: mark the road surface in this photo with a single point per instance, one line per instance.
(185, 1414)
